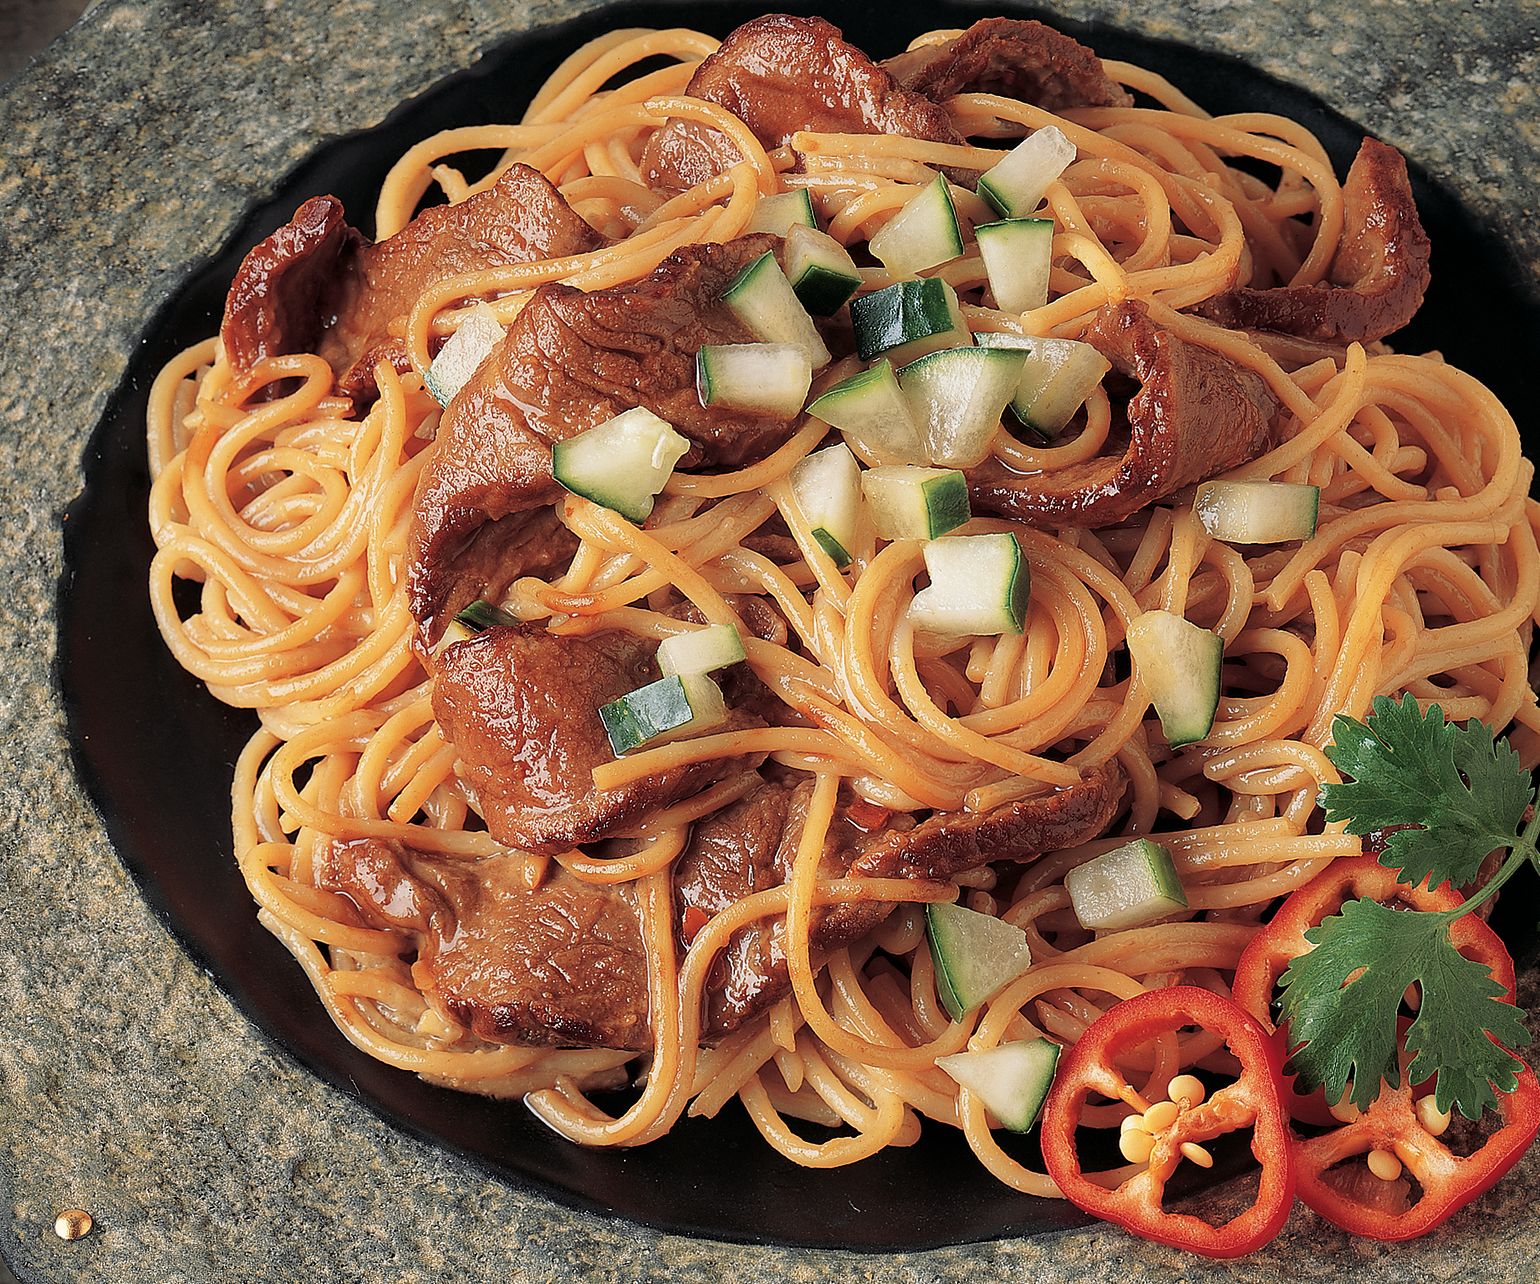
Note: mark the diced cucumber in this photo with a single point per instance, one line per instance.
(700, 651)
(762, 298)
(1129, 886)
(1016, 185)
(827, 485)
(622, 463)
(915, 503)
(958, 396)
(779, 214)
(1179, 663)
(1258, 512)
(477, 617)
(462, 354)
(907, 320)
(820, 270)
(871, 408)
(1011, 1080)
(682, 704)
(769, 378)
(482, 615)
(1058, 376)
(978, 585)
(924, 234)
(976, 955)
(1017, 254)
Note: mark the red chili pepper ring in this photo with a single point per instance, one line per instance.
(1254, 1100)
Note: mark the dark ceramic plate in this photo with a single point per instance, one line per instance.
(167, 811)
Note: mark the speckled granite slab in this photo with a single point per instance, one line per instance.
(128, 1084)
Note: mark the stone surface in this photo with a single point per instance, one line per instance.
(128, 1084)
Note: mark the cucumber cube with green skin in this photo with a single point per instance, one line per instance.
(1012, 1080)
(1179, 663)
(1016, 185)
(1056, 378)
(462, 354)
(668, 709)
(820, 270)
(827, 486)
(767, 378)
(924, 234)
(779, 214)
(1018, 255)
(621, 464)
(762, 299)
(976, 955)
(907, 320)
(700, 650)
(872, 411)
(915, 503)
(959, 396)
(979, 586)
(482, 615)
(1258, 512)
(1127, 887)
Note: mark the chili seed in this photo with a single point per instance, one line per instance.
(1136, 1147)
(1187, 1090)
(1436, 1121)
(1384, 1165)
(1161, 1115)
(1133, 1123)
(1191, 1150)
(1345, 1111)
(72, 1223)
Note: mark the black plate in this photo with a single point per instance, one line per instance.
(167, 811)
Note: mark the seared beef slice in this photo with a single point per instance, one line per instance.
(316, 285)
(562, 965)
(521, 707)
(569, 362)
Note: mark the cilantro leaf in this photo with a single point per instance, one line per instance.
(1340, 1001)
(1464, 791)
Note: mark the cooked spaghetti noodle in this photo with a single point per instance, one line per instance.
(291, 517)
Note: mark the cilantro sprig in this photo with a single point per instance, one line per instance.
(1455, 794)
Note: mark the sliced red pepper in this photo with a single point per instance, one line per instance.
(1283, 939)
(1253, 1101)
(1449, 1181)
(1359, 1203)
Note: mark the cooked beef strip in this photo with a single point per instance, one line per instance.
(316, 285)
(521, 707)
(1013, 57)
(779, 74)
(1195, 414)
(560, 966)
(277, 302)
(569, 362)
(1377, 278)
(564, 965)
(750, 846)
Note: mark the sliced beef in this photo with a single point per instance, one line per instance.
(1013, 57)
(521, 707)
(751, 845)
(569, 362)
(1196, 413)
(779, 74)
(278, 302)
(316, 285)
(562, 965)
(949, 843)
(1377, 278)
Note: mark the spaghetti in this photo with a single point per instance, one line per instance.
(285, 518)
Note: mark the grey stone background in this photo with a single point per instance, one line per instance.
(128, 1084)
